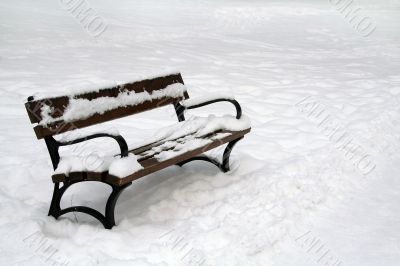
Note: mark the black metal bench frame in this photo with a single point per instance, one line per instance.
(108, 219)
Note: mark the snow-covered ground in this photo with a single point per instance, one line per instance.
(298, 194)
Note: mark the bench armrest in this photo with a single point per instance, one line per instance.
(187, 106)
(120, 140)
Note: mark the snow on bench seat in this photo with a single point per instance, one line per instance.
(169, 146)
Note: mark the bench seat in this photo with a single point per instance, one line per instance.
(159, 155)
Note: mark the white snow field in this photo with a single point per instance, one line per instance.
(316, 182)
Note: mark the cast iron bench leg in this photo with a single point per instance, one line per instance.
(107, 220)
(224, 166)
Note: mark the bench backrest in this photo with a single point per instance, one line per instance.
(64, 113)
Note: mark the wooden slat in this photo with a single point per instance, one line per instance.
(60, 103)
(152, 165)
(144, 148)
(142, 155)
(79, 176)
(61, 127)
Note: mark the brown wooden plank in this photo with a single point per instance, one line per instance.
(60, 103)
(152, 165)
(61, 127)
(140, 152)
(146, 147)
(80, 176)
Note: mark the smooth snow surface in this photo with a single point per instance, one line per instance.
(294, 182)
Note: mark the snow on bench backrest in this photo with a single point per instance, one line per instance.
(60, 114)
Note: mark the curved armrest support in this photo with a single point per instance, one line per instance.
(232, 101)
(53, 145)
(120, 140)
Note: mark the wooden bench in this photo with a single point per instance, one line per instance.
(55, 115)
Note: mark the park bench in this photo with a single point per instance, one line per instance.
(64, 114)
